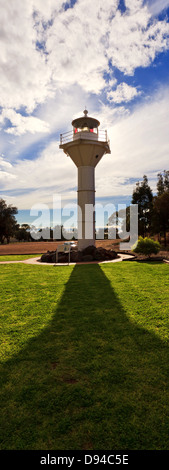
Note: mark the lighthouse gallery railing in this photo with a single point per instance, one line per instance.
(71, 136)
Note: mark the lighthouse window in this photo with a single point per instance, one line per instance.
(85, 129)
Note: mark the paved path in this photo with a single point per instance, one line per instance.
(36, 261)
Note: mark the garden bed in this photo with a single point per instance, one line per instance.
(89, 254)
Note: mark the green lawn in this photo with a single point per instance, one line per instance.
(17, 257)
(85, 357)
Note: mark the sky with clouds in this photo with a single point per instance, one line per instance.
(58, 57)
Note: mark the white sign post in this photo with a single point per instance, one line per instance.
(63, 249)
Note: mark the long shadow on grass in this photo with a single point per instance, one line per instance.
(91, 380)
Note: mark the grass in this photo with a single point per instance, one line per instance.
(16, 257)
(85, 352)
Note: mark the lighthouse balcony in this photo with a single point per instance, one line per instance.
(88, 134)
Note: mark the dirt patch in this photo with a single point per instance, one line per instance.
(54, 365)
(30, 248)
(69, 380)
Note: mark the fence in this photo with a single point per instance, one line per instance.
(101, 136)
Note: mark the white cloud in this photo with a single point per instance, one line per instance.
(81, 43)
(44, 48)
(109, 115)
(54, 62)
(51, 169)
(4, 163)
(22, 124)
(7, 175)
(139, 145)
(135, 39)
(156, 6)
(76, 45)
(123, 93)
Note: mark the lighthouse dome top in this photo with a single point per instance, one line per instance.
(85, 122)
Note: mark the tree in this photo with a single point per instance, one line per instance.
(160, 219)
(8, 222)
(112, 226)
(124, 217)
(163, 182)
(143, 196)
(23, 232)
(160, 184)
(166, 180)
(146, 246)
(160, 216)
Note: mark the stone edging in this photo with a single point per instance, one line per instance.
(34, 261)
(121, 257)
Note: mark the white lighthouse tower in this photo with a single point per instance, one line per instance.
(85, 145)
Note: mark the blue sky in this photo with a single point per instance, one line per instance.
(58, 57)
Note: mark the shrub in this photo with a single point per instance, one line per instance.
(146, 246)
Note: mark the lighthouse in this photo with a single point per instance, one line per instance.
(85, 145)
